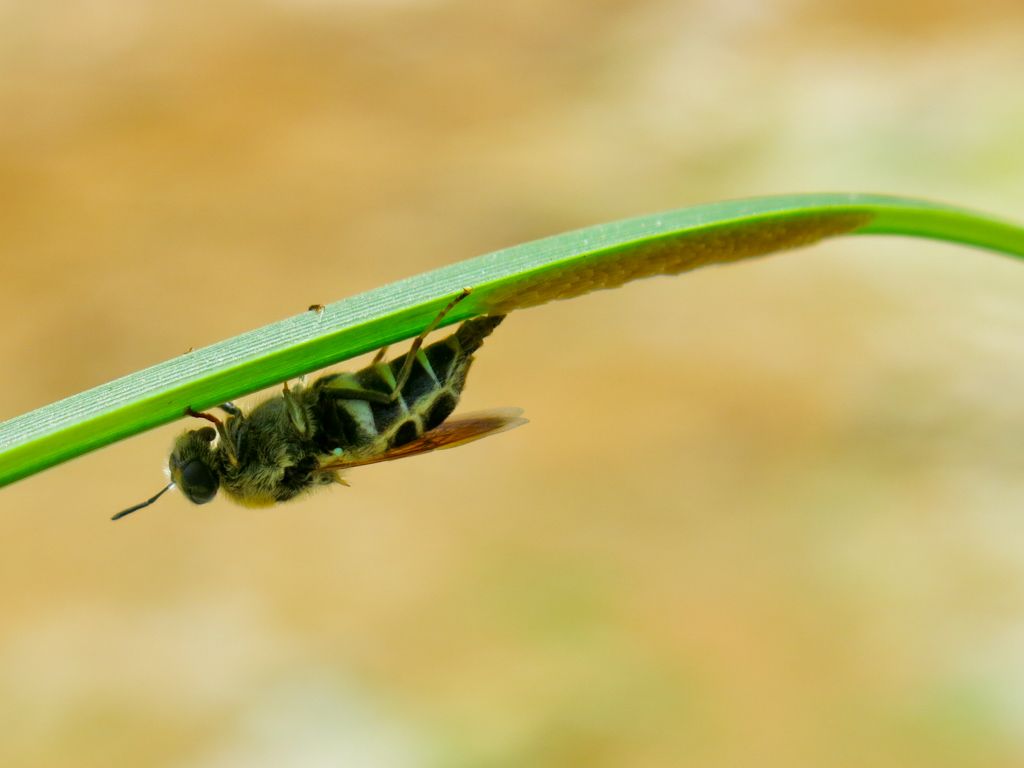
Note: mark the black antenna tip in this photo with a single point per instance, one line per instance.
(146, 503)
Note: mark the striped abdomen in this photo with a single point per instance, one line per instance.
(350, 425)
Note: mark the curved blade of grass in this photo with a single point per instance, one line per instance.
(571, 264)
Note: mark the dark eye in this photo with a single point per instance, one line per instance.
(198, 482)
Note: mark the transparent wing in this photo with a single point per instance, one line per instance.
(453, 432)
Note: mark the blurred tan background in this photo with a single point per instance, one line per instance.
(764, 515)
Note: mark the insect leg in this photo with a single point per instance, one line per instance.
(296, 413)
(229, 446)
(379, 356)
(230, 409)
(410, 358)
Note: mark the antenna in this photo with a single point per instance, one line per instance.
(146, 503)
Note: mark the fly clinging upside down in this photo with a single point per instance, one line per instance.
(307, 436)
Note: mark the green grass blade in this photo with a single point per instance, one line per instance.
(563, 266)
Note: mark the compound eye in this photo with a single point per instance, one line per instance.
(207, 433)
(199, 482)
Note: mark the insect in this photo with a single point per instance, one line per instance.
(306, 437)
